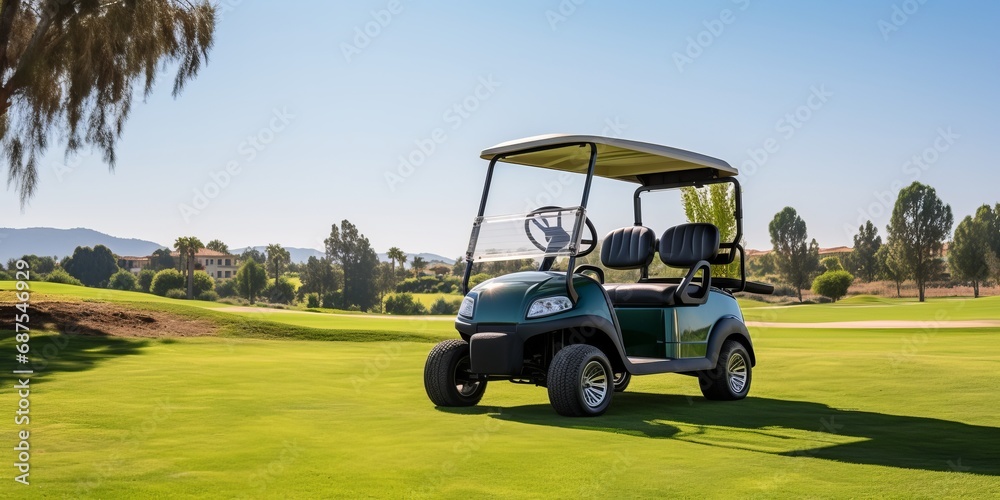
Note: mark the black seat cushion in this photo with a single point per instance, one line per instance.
(687, 244)
(642, 294)
(628, 248)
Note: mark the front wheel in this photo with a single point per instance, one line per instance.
(730, 379)
(446, 375)
(580, 381)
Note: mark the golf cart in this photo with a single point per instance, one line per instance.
(573, 333)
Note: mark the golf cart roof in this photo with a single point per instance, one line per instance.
(620, 159)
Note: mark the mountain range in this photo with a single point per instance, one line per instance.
(47, 241)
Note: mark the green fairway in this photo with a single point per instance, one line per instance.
(866, 308)
(828, 414)
(257, 412)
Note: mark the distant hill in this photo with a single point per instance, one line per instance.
(52, 242)
(428, 257)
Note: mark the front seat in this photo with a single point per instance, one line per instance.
(688, 246)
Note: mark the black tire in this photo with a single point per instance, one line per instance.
(446, 375)
(580, 381)
(621, 381)
(730, 379)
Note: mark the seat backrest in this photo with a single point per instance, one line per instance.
(686, 244)
(628, 248)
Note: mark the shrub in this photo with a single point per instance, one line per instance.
(59, 275)
(833, 284)
(226, 288)
(404, 304)
(444, 306)
(202, 283)
(312, 300)
(4, 276)
(476, 279)
(280, 292)
(354, 308)
(208, 296)
(785, 291)
(166, 280)
(146, 279)
(428, 284)
(332, 300)
(122, 280)
(831, 264)
(176, 293)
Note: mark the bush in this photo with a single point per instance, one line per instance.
(122, 280)
(428, 284)
(312, 300)
(4, 276)
(476, 279)
(208, 296)
(166, 280)
(831, 264)
(202, 283)
(59, 275)
(280, 292)
(833, 284)
(444, 306)
(354, 308)
(785, 291)
(403, 304)
(332, 300)
(176, 293)
(146, 279)
(226, 288)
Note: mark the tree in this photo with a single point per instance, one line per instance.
(715, 204)
(418, 265)
(203, 282)
(862, 259)
(831, 264)
(122, 280)
(970, 251)
(161, 259)
(218, 246)
(318, 276)
(250, 280)
(403, 304)
(386, 281)
(396, 255)
(72, 68)
(281, 291)
(253, 253)
(92, 266)
(187, 247)
(145, 280)
(891, 267)
(833, 284)
(796, 262)
(277, 259)
(919, 224)
(38, 265)
(352, 250)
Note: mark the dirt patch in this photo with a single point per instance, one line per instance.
(118, 320)
(891, 324)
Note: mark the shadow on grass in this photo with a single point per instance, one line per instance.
(61, 353)
(808, 429)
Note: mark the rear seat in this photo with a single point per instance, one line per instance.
(681, 246)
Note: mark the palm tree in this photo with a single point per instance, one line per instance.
(277, 259)
(187, 247)
(396, 255)
(418, 265)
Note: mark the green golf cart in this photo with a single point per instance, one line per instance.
(568, 330)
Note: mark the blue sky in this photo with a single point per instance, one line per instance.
(309, 129)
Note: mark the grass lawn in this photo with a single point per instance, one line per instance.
(831, 414)
(867, 307)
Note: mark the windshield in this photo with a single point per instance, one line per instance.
(531, 213)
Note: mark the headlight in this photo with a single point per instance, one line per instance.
(467, 307)
(548, 306)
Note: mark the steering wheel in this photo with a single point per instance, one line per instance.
(555, 236)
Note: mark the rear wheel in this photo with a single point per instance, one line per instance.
(730, 379)
(446, 375)
(580, 381)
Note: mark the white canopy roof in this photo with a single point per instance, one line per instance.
(616, 158)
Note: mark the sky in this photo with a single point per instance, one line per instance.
(305, 110)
